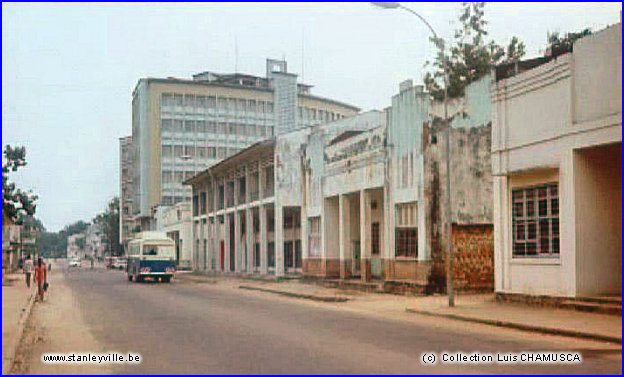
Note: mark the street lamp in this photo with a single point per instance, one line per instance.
(439, 42)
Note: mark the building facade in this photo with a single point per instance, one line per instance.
(126, 193)
(176, 222)
(556, 161)
(356, 198)
(180, 127)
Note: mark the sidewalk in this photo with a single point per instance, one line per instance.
(477, 308)
(16, 305)
(483, 309)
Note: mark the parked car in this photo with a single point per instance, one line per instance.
(74, 262)
(120, 263)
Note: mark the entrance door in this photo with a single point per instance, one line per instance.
(375, 250)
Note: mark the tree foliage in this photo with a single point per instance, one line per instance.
(471, 56)
(16, 204)
(109, 221)
(562, 44)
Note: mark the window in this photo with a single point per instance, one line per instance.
(211, 127)
(166, 150)
(211, 102)
(167, 99)
(201, 126)
(201, 152)
(178, 125)
(167, 125)
(178, 99)
(189, 125)
(315, 236)
(166, 176)
(535, 212)
(202, 203)
(251, 106)
(178, 150)
(178, 177)
(189, 151)
(406, 242)
(221, 152)
(271, 254)
(406, 231)
(210, 152)
(189, 100)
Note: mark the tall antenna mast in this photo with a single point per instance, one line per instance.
(302, 54)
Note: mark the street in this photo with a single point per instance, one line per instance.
(186, 327)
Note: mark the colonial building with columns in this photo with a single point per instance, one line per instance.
(357, 198)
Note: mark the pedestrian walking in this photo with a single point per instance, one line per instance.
(41, 277)
(28, 269)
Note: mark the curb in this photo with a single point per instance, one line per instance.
(522, 327)
(296, 295)
(18, 338)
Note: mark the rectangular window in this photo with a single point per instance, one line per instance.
(201, 126)
(406, 242)
(535, 223)
(189, 151)
(178, 150)
(167, 99)
(189, 125)
(211, 102)
(271, 254)
(314, 240)
(178, 99)
(167, 124)
(178, 176)
(406, 231)
(166, 176)
(178, 125)
(166, 151)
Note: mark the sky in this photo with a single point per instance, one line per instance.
(68, 70)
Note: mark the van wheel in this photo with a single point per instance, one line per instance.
(166, 279)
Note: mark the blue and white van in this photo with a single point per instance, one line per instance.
(151, 255)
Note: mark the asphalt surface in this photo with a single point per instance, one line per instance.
(184, 328)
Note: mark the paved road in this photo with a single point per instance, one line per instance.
(186, 328)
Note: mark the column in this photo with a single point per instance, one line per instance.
(226, 223)
(249, 222)
(279, 238)
(365, 269)
(237, 244)
(343, 233)
(264, 245)
(216, 228)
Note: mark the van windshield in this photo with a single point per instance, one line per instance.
(165, 251)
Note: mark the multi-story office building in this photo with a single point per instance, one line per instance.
(180, 127)
(126, 195)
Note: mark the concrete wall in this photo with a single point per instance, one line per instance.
(597, 59)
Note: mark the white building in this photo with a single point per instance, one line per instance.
(95, 244)
(76, 245)
(556, 159)
(182, 126)
(176, 222)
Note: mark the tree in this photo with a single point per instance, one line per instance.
(560, 45)
(470, 57)
(15, 203)
(109, 221)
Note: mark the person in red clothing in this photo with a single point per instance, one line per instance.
(41, 277)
